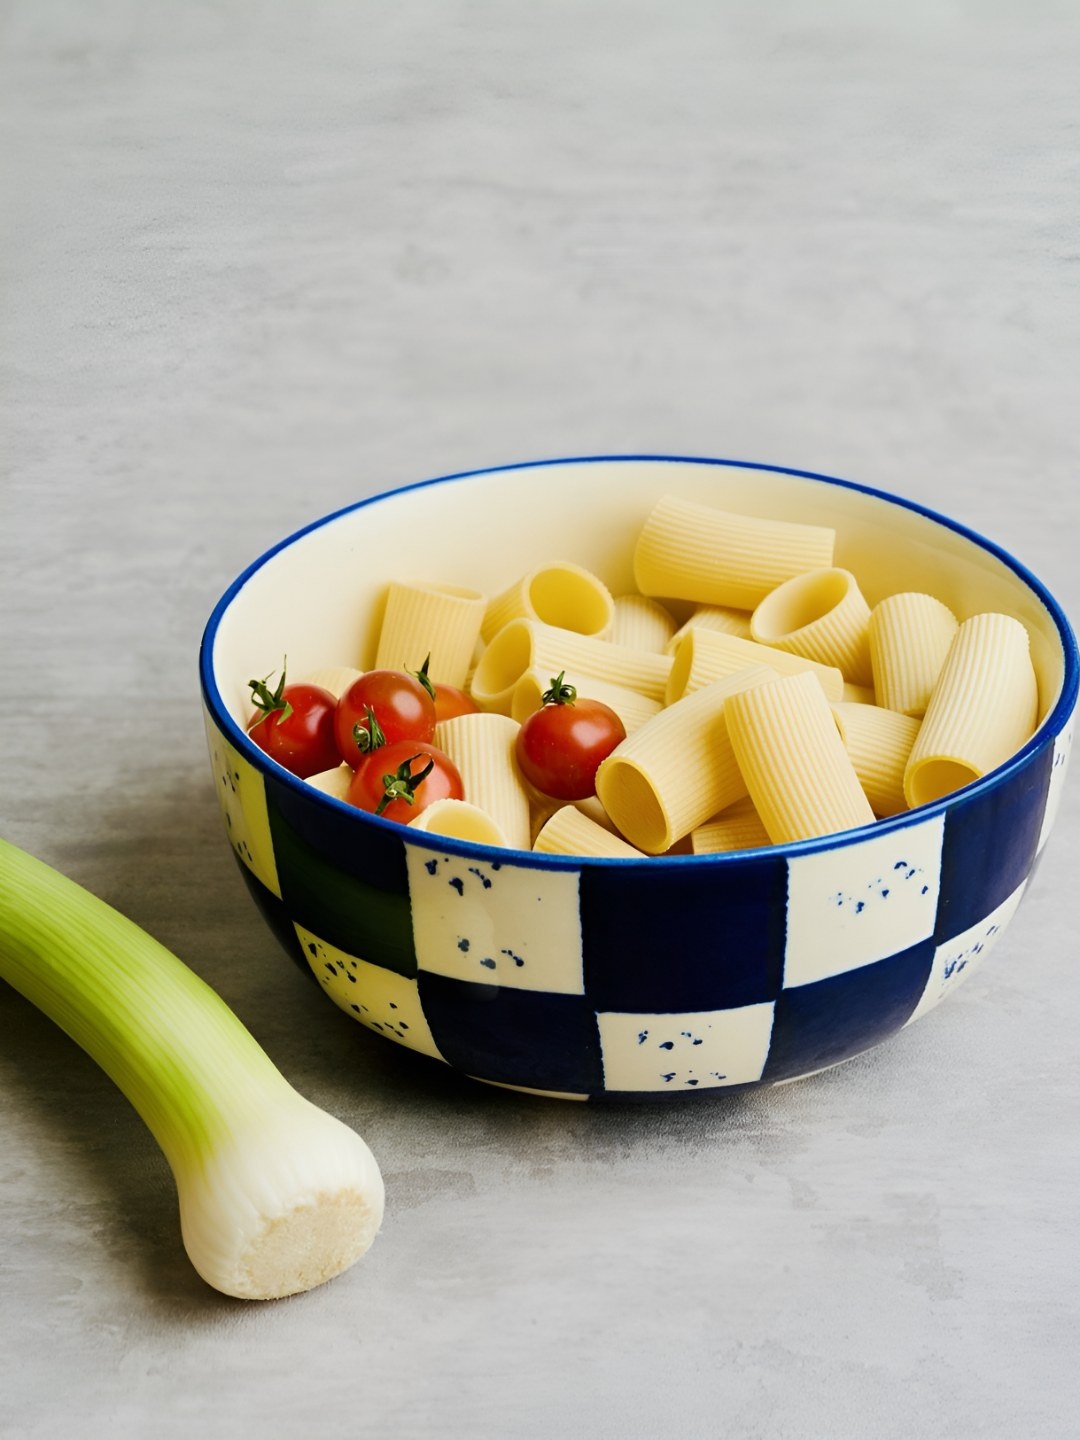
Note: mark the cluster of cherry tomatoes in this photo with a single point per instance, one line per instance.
(383, 728)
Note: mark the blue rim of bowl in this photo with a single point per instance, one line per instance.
(1048, 730)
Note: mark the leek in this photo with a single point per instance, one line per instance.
(276, 1195)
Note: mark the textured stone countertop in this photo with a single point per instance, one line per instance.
(257, 261)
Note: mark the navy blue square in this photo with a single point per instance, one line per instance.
(332, 892)
(665, 946)
(517, 1037)
(989, 846)
(831, 1020)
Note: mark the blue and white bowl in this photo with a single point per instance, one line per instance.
(593, 979)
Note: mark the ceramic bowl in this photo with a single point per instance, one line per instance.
(625, 978)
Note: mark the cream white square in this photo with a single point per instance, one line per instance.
(861, 902)
(498, 924)
(690, 1051)
(957, 959)
(383, 1000)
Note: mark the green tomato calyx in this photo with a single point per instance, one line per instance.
(423, 676)
(402, 784)
(560, 693)
(268, 701)
(368, 733)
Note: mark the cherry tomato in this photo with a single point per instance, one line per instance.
(294, 724)
(403, 710)
(386, 778)
(450, 701)
(560, 746)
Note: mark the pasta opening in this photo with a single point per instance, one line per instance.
(504, 661)
(634, 807)
(799, 603)
(571, 600)
(461, 821)
(931, 779)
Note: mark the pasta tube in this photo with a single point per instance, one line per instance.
(564, 595)
(739, 827)
(714, 617)
(442, 621)
(641, 623)
(793, 761)
(528, 645)
(334, 782)
(461, 820)
(879, 743)
(569, 832)
(687, 551)
(707, 655)
(983, 708)
(482, 748)
(910, 635)
(823, 616)
(679, 769)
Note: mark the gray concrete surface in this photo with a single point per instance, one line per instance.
(260, 260)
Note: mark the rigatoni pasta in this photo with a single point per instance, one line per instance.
(565, 595)
(983, 708)
(714, 617)
(739, 827)
(878, 742)
(460, 820)
(707, 655)
(641, 623)
(792, 760)
(482, 748)
(525, 645)
(569, 832)
(687, 551)
(679, 769)
(440, 621)
(821, 615)
(910, 634)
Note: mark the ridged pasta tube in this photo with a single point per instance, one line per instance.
(482, 747)
(879, 743)
(739, 827)
(563, 594)
(335, 678)
(687, 551)
(910, 635)
(707, 655)
(823, 616)
(569, 832)
(442, 621)
(641, 623)
(714, 617)
(983, 708)
(528, 645)
(792, 760)
(679, 769)
(461, 820)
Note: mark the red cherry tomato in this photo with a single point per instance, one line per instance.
(450, 701)
(385, 779)
(294, 724)
(403, 710)
(560, 746)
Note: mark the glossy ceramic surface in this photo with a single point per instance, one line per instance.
(596, 978)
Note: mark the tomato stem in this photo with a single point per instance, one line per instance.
(269, 701)
(560, 693)
(423, 676)
(401, 785)
(368, 734)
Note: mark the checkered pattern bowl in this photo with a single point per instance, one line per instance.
(594, 979)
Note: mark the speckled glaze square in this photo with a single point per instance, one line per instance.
(861, 902)
(509, 925)
(685, 1052)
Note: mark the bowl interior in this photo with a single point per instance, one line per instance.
(317, 597)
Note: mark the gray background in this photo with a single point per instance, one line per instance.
(260, 260)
